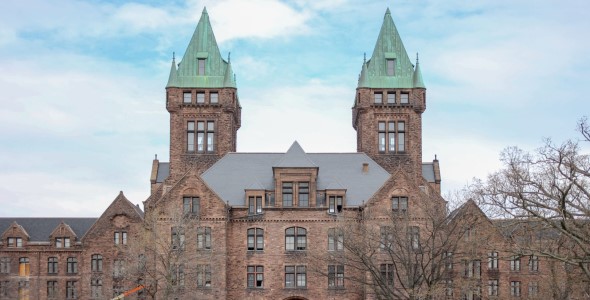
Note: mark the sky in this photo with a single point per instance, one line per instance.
(82, 85)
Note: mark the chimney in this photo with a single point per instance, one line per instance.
(365, 168)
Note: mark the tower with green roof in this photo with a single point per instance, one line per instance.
(390, 99)
(202, 99)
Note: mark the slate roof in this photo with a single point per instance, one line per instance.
(39, 229)
(163, 171)
(428, 172)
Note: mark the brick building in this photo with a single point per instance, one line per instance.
(220, 224)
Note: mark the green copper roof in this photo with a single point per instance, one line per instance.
(418, 82)
(389, 46)
(202, 46)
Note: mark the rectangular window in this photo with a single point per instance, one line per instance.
(24, 267)
(205, 136)
(493, 287)
(187, 97)
(52, 265)
(62, 242)
(255, 277)
(201, 66)
(295, 276)
(336, 276)
(116, 238)
(204, 238)
(335, 239)
(191, 205)
(4, 289)
(96, 288)
(399, 204)
(178, 275)
(190, 136)
(295, 239)
(493, 260)
(269, 199)
(391, 137)
(533, 288)
(214, 98)
(414, 237)
(71, 291)
(51, 289)
(177, 238)
(72, 265)
(210, 136)
(449, 288)
(390, 97)
(387, 274)
(515, 288)
(401, 137)
(287, 194)
(448, 260)
(334, 204)
(404, 98)
(303, 196)
(118, 268)
(534, 263)
(387, 238)
(4, 265)
(14, 242)
(320, 200)
(378, 96)
(390, 67)
(255, 239)
(203, 276)
(472, 269)
(381, 132)
(23, 290)
(515, 263)
(96, 263)
(254, 205)
(200, 97)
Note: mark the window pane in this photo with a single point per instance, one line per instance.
(391, 67)
(210, 126)
(214, 97)
(401, 126)
(381, 142)
(187, 97)
(404, 99)
(381, 126)
(201, 67)
(401, 145)
(391, 141)
(200, 137)
(200, 97)
(210, 138)
(378, 97)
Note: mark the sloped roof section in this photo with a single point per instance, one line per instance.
(428, 172)
(389, 45)
(202, 46)
(40, 229)
(295, 158)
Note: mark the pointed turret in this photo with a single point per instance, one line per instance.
(202, 65)
(229, 78)
(363, 76)
(418, 82)
(173, 74)
(389, 66)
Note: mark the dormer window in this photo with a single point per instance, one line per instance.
(15, 242)
(390, 66)
(303, 194)
(335, 204)
(201, 67)
(62, 242)
(287, 194)
(254, 205)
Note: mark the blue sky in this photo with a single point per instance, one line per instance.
(82, 104)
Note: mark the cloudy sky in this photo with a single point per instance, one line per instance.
(82, 84)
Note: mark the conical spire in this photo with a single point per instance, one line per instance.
(418, 82)
(363, 77)
(389, 52)
(228, 80)
(202, 49)
(173, 73)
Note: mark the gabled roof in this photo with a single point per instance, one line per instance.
(389, 45)
(218, 72)
(39, 229)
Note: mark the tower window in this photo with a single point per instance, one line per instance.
(401, 136)
(187, 97)
(391, 98)
(391, 137)
(201, 68)
(200, 98)
(205, 136)
(390, 67)
(378, 97)
(404, 98)
(214, 97)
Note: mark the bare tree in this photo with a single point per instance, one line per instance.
(546, 196)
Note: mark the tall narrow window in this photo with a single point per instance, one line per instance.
(493, 260)
(214, 98)
(336, 276)
(71, 290)
(335, 239)
(404, 98)
(178, 275)
(200, 136)
(4, 265)
(493, 287)
(401, 136)
(24, 267)
(203, 276)
(515, 288)
(52, 265)
(303, 196)
(387, 238)
(534, 263)
(390, 67)
(210, 136)
(387, 274)
(187, 97)
(23, 290)
(390, 97)
(515, 263)
(287, 194)
(533, 288)
(295, 238)
(72, 265)
(255, 277)
(378, 97)
(51, 289)
(399, 204)
(255, 239)
(472, 269)
(295, 276)
(254, 205)
(414, 237)
(381, 137)
(116, 237)
(118, 268)
(204, 238)
(200, 97)
(191, 205)
(96, 263)
(4, 288)
(96, 288)
(320, 199)
(448, 260)
(190, 136)
(201, 66)
(177, 238)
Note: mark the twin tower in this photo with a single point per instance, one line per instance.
(205, 111)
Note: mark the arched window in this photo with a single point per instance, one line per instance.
(96, 263)
(255, 239)
(295, 239)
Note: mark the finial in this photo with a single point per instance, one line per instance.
(173, 55)
(435, 157)
(417, 58)
(156, 157)
(235, 78)
(365, 57)
(228, 57)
